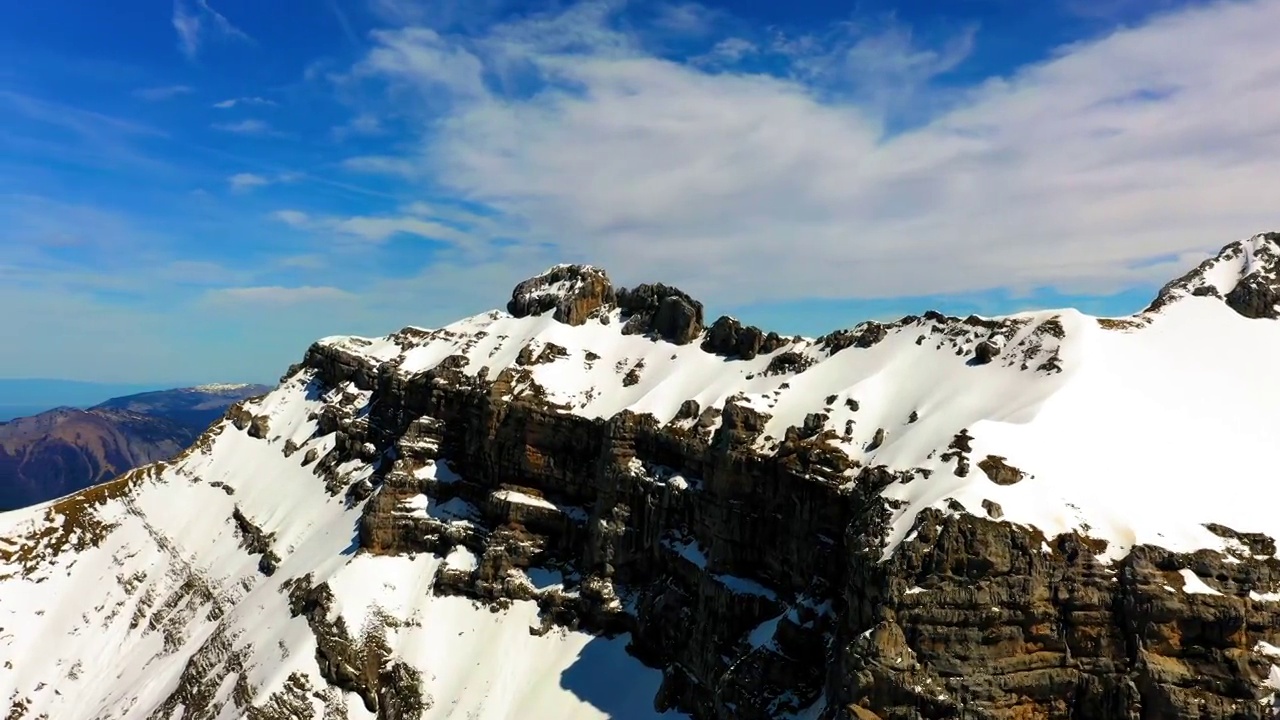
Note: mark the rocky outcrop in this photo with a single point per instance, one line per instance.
(662, 310)
(730, 338)
(977, 618)
(757, 581)
(572, 292)
(1245, 275)
(389, 688)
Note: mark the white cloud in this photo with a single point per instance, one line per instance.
(155, 94)
(1076, 172)
(241, 101)
(242, 182)
(426, 57)
(378, 229)
(246, 181)
(277, 295)
(249, 126)
(382, 165)
(292, 218)
(196, 22)
(362, 124)
(685, 18)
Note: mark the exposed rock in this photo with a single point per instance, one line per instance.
(1255, 296)
(573, 292)
(662, 310)
(788, 363)
(988, 349)
(1000, 472)
(730, 338)
(253, 539)
(1007, 623)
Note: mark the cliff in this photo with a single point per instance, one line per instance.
(1046, 515)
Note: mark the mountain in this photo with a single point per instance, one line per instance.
(45, 394)
(67, 449)
(593, 505)
(195, 407)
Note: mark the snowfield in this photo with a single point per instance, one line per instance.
(1133, 430)
(106, 632)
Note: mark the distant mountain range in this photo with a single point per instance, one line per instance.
(66, 449)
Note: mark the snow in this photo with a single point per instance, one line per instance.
(690, 551)
(1136, 435)
(745, 586)
(219, 387)
(763, 633)
(1130, 415)
(520, 498)
(67, 626)
(1193, 585)
(462, 558)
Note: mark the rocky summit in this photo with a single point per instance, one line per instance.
(595, 505)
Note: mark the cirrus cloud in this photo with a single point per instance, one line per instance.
(1074, 173)
(277, 295)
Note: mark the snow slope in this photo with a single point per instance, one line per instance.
(1138, 430)
(106, 631)
(1134, 430)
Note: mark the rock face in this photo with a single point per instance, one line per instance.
(1245, 275)
(750, 548)
(730, 338)
(662, 310)
(573, 292)
(756, 580)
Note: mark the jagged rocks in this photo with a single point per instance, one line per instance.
(389, 688)
(253, 539)
(573, 292)
(662, 310)
(242, 418)
(758, 582)
(730, 338)
(864, 335)
(1255, 296)
(987, 350)
(999, 471)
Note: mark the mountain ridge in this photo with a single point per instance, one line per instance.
(936, 517)
(65, 449)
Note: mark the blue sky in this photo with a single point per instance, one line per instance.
(194, 192)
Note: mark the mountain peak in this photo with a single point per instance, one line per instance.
(1244, 274)
(573, 292)
(578, 293)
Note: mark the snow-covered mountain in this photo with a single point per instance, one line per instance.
(592, 505)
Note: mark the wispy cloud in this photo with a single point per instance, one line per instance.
(250, 126)
(293, 218)
(274, 295)
(344, 22)
(363, 124)
(243, 101)
(382, 165)
(166, 92)
(196, 22)
(1155, 140)
(379, 228)
(71, 117)
(244, 182)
